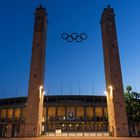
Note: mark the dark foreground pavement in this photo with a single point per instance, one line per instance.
(74, 138)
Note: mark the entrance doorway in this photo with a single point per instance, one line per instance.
(77, 129)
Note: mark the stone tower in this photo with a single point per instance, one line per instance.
(34, 110)
(118, 125)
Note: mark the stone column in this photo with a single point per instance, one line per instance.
(118, 124)
(34, 110)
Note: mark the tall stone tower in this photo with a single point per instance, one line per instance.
(34, 110)
(118, 125)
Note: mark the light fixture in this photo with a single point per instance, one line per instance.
(105, 92)
(40, 91)
(41, 87)
(110, 87)
(64, 118)
(111, 91)
(44, 93)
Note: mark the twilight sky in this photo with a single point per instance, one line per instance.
(71, 68)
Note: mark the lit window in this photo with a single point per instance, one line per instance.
(98, 111)
(17, 113)
(3, 114)
(9, 114)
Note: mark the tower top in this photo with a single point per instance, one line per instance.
(40, 8)
(108, 11)
(108, 6)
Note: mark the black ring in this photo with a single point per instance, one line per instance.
(65, 36)
(74, 36)
(69, 39)
(79, 39)
(83, 36)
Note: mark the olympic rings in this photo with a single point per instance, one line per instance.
(74, 36)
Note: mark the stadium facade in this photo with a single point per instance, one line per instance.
(70, 114)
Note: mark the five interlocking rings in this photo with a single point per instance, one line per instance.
(74, 36)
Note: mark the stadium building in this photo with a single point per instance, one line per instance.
(73, 115)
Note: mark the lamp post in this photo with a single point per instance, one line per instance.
(110, 92)
(41, 97)
(40, 90)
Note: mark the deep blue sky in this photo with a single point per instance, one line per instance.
(67, 63)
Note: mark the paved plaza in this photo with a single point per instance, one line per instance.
(74, 138)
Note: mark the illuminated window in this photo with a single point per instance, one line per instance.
(98, 111)
(17, 113)
(80, 113)
(9, 114)
(89, 111)
(51, 113)
(61, 112)
(3, 114)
